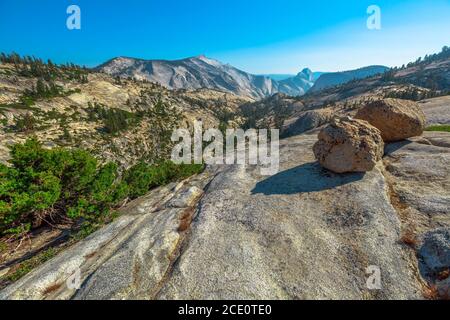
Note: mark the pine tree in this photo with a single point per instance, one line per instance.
(41, 89)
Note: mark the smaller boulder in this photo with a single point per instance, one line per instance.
(396, 119)
(349, 145)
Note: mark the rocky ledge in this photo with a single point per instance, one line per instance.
(304, 233)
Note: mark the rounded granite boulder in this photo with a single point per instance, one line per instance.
(397, 119)
(349, 145)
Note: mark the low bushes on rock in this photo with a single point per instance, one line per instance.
(142, 177)
(50, 185)
(47, 185)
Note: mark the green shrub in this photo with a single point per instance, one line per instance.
(56, 183)
(143, 177)
(114, 120)
(44, 184)
(139, 179)
(25, 123)
(26, 101)
(66, 136)
(445, 128)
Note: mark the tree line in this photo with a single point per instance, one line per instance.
(30, 66)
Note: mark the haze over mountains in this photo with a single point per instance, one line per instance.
(336, 78)
(203, 72)
(282, 76)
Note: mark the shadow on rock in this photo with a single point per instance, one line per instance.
(394, 146)
(308, 177)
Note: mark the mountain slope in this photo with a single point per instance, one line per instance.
(202, 72)
(418, 80)
(80, 102)
(192, 73)
(336, 78)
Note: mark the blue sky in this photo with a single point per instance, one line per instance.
(258, 36)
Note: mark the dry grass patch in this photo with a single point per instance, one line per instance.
(52, 288)
(186, 219)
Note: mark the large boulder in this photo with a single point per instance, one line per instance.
(349, 145)
(396, 119)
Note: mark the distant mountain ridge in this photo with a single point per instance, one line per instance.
(332, 79)
(278, 76)
(303, 80)
(202, 72)
(284, 76)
